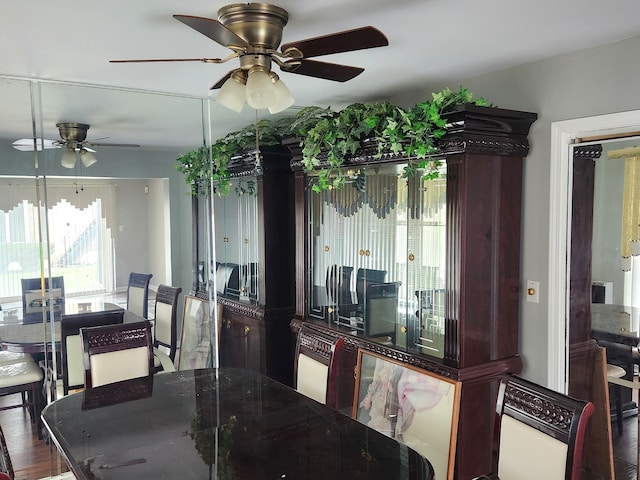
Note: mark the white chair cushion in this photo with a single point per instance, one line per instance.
(121, 365)
(528, 454)
(15, 374)
(163, 322)
(13, 357)
(312, 378)
(135, 302)
(75, 362)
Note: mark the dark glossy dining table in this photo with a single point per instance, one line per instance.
(32, 332)
(219, 423)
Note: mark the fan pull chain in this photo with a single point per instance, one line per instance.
(258, 161)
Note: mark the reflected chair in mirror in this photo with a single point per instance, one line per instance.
(113, 353)
(339, 284)
(364, 278)
(24, 377)
(71, 349)
(539, 433)
(620, 361)
(227, 279)
(138, 293)
(32, 301)
(316, 373)
(165, 328)
(381, 310)
(6, 466)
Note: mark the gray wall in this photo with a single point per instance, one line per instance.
(583, 84)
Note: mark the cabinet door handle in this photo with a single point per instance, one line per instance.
(228, 324)
(247, 329)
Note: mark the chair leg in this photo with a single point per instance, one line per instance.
(618, 394)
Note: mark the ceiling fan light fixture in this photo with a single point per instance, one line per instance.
(233, 92)
(284, 99)
(261, 92)
(69, 158)
(87, 158)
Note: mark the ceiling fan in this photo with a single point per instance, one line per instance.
(253, 32)
(73, 136)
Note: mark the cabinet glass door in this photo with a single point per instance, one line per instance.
(376, 255)
(424, 291)
(237, 250)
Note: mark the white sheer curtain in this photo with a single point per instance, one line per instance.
(79, 234)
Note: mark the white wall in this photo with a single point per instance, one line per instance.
(587, 83)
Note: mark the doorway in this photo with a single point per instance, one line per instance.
(563, 135)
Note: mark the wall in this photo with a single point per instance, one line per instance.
(587, 83)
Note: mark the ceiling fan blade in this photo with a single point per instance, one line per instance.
(346, 41)
(29, 144)
(328, 71)
(213, 29)
(145, 60)
(109, 145)
(220, 82)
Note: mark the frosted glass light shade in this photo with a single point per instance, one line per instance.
(68, 158)
(87, 158)
(260, 90)
(284, 99)
(232, 95)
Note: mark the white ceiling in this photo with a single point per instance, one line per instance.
(431, 42)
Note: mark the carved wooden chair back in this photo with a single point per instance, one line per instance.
(71, 349)
(316, 365)
(113, 353)
(541, 432)
(6, 467)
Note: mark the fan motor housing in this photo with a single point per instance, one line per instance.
(259, 24)
(73, 132)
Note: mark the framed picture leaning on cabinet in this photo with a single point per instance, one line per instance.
(414, 406)
(195, 340)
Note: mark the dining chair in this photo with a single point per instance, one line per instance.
(24, 377)
(71, 349)
(6, 466)
(316, 365)
(138, 293)
(165, 328)
(113, 353)
(539, 433)
(32, 292)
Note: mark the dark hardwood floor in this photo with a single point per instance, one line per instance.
(625, 449)
(32, 458)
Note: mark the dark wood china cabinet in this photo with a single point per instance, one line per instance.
(423, 271)
(253, 275)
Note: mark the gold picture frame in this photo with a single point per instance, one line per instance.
(416, 407)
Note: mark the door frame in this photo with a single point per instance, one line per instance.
(563, 135)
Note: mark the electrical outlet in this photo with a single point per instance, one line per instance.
(533, 291)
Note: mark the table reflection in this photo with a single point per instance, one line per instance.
(226, 424)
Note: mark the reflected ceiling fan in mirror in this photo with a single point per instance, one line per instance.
(73, 136)
(253, 32)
